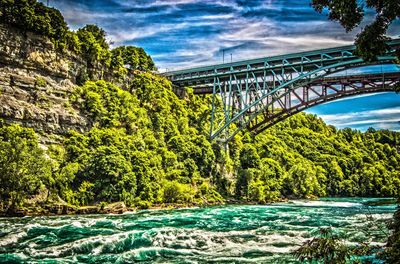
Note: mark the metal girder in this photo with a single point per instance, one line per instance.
(325, 90)
(255, 93)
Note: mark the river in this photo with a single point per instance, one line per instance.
(223, 234)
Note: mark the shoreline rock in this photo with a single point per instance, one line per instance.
(113, 208)
(64, 209)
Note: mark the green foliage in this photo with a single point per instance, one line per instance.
(371, 41)
(97, 164)
(72, 43)
(93, 45)
(89, 41)
(117, 62)
(110, 106)
(249, 157)
(23, 167)
(133, 57)
(302, 180)
(40, 82)
(317, 160)
(327, 249)
(147, 147)
(34, 16)
(137, 148)
(175, 192)
(392, 251)
(347, 12)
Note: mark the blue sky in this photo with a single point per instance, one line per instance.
(184, 33)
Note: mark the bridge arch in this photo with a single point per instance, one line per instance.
(339, 87)
(246, 118)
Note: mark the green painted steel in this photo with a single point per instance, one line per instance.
(243, 90)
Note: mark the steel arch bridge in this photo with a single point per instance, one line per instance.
(255, 94)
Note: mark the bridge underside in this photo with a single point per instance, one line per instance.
(256, 94)
(318, 92)
(288, 101)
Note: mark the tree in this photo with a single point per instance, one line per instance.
(58, 24)
(111, 174)
(326, 248)
(302, 180)
(117, 62)
(30, 15)
(93, 45)
(133, 57)
(249, 157)
(350, 13)
(392, 251)
(23, 167)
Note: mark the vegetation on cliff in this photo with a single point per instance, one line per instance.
(88, 42)
(24, 169)
(148, 146)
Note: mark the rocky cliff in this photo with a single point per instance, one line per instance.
(36, 81)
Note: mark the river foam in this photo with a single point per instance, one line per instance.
(225, 234)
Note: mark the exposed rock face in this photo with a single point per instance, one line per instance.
(35, 83)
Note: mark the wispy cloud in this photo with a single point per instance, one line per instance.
(171, 29)
(185, 33)
(364, 117)
(379, 110)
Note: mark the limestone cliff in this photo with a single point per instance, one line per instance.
(36, 81)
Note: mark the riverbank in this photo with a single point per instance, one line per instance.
(115, 208)
(121, 208)
(65, 209)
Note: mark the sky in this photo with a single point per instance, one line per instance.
(185, 33)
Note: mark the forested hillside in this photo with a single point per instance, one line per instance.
(147, 146)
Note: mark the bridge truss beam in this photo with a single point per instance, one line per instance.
(252, 101)
(321, 91)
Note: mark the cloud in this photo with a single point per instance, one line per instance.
(379, 118)
(187, 33)
(378, 110)
(171, 29)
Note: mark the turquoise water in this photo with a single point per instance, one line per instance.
(224, 234)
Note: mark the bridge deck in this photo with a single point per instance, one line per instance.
(307, 60)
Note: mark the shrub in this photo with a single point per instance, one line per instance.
(175, 192)
(40, 82)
